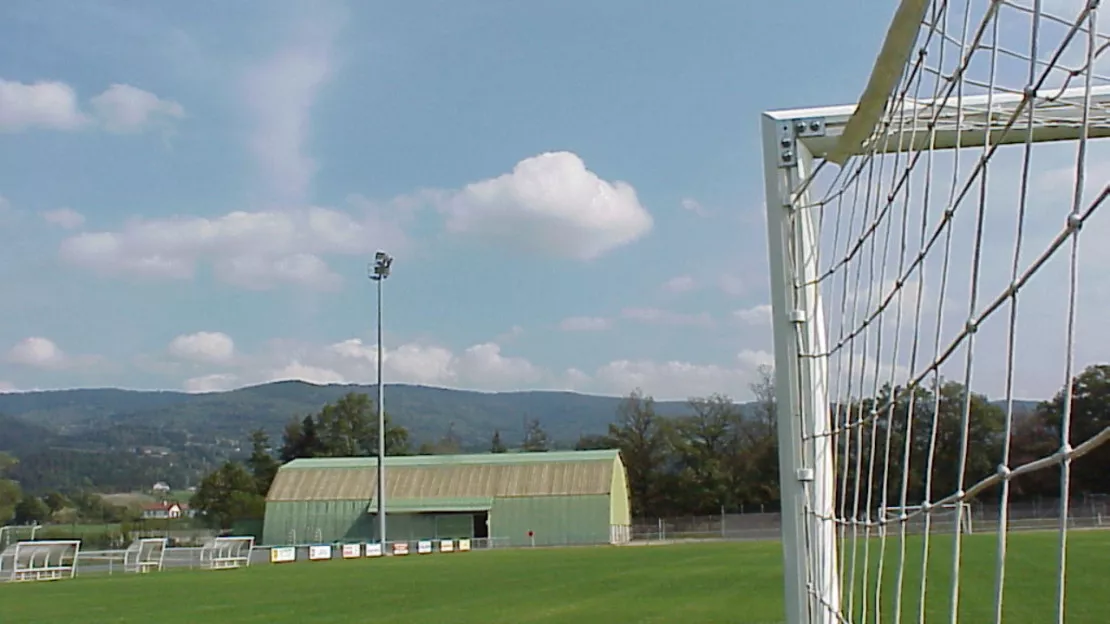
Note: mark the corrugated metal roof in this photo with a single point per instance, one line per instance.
(550, 457)
(447, 476)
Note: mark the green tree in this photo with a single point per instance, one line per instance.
(593, 442)
(299, 440)
(641, 436)
(31, 510)
(496, 446)
(1089, 416)
(702, 442)
(228, 494)
(262, 464)
(10, 492)
(535, 438)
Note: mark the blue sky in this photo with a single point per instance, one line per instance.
(572, 190)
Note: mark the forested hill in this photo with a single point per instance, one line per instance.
(123, 439)
(71, 439)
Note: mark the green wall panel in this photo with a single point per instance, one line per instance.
(554, 520)
(309, 522)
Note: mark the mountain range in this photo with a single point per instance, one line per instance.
(126, 439)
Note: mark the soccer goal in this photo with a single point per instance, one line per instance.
(228, 552)
(145, 555)
(927, 274)
(44, 560)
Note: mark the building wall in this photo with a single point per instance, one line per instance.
(309, 522)
(554, 520)
(418, 526)
(620, 505)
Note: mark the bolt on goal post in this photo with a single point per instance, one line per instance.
(894, 259)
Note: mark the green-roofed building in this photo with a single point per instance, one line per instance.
(571, 497)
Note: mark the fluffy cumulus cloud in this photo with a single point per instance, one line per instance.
(253, 250)
(54, 105)
(124, 108)
(483, 366)
(680, 380)
(552, 204)
(44, 104)
(42, 353)
(203, 346)
(759, 315)
(66, 218)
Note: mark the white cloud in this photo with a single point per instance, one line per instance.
(279, 96)
(124, 108)
(755, 315)
(216, 382)
(680, 380)
(66, 218)
(484, 366)
(7, 387)
(656, 316)
(253, 250)
(43, 353)
(203, 346)
(584, 323)
(45, 104)
(680, 284)
(692, 205)
(552, 204)
(53, 105)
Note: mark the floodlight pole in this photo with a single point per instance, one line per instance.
(379, 271)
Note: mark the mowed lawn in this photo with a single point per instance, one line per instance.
(710, 582)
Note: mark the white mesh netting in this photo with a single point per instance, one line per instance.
(952, 227)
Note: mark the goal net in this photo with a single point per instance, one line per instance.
(145, 555)
(938, 321)
(942, 517)
(44, 560)
(227, 552)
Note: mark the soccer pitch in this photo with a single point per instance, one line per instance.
(738, 582)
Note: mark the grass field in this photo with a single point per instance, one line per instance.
(696, 583)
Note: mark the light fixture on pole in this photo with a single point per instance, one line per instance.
(378, 272)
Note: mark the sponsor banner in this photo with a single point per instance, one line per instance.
(283, 555)
(373, 550)
(401, 548)
(424, 547)
(318, 553)
(446, 546)
(464, 545)
(352, 551)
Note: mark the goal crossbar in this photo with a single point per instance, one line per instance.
(969, 121)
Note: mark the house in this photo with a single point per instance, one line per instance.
(167, 511)
(161, 487)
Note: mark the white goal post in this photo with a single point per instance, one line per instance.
(227, 552)
(903, 231)
(145, 555)
(45, 560)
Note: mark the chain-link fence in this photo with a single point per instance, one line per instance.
(1091, 511)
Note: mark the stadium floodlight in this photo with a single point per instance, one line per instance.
(379, 271)
(897, 265)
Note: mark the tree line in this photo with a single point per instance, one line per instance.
(723, 456)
